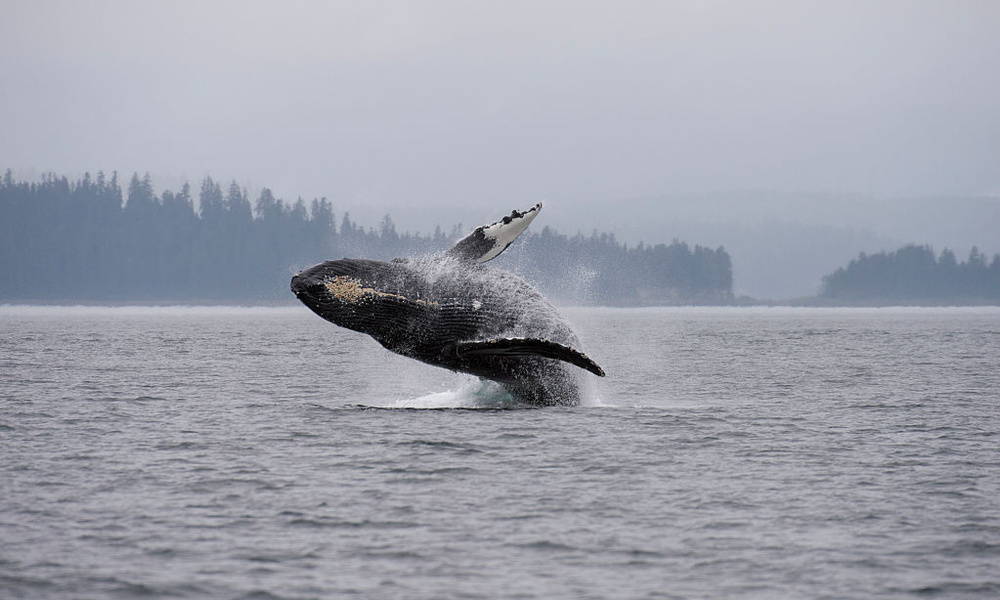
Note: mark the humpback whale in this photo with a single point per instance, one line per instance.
(454, 311)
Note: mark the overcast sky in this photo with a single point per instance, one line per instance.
(439, 103)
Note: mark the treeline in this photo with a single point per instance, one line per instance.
(599, 270)
(86, 241)
(913, 274)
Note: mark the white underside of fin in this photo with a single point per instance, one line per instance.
(505, 231)
(488, 241)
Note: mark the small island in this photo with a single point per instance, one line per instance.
(913, 275)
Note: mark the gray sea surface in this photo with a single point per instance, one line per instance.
(730, 453)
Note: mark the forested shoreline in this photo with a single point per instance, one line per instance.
(914, 275)
(87, 241)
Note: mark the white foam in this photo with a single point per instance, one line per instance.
(473, 394)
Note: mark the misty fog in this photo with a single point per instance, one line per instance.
(863, 125)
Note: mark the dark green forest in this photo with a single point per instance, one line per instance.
(86, 241)
(914, 275)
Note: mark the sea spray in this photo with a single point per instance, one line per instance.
(472, 394)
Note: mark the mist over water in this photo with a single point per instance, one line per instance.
(794, 135)
(245, 453)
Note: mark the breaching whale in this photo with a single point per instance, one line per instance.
(455, 312)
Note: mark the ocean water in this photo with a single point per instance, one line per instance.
(730, 453)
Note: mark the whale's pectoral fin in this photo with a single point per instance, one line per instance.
(526, 347)
(488, 241)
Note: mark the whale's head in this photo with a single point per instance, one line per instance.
(364, 295)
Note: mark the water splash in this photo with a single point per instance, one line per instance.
(475, 393)
(593, 392)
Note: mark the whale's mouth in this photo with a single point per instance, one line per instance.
(306, 288)
(310, 287)
(299, 285)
